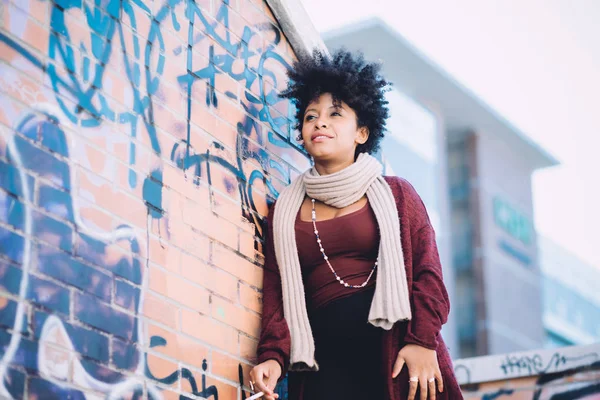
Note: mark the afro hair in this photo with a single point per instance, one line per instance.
(349, 79)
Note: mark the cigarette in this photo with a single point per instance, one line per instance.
(255, 396)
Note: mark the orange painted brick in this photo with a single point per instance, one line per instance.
(160, 367)
(227, 391)
(203, 117)
(167, 119)
(247, 245)
(172, 260)
(236, 265)
(183, 185)
(283, 106)
(209, 331)
(167, 394)
(142, 20)
(223, 180)
(196, 214)
(180, 234)
(228, 110)
(39, 10)
(170, 348)
(260, 203)
(225, 84)
(251, 298)
(252, 12)
(227, 208)
(248, 348)
(267, 11)
(33, 33)
(227, 367)
(179, 347)
(235, 316)
(199, 246)
(198, 193)
(116, 86)
(191, 352)
(95, 159)
(213, 279)
(224, 134)
(200, 141)
(159, 310)
(23, 86)
(130, 209)
(221, 230)
(179, 290)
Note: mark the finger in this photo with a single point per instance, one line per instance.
(272, 382)
(260, 385)
(440, 381)
(251, 380)
(412, 390)
(431, 383)
(423, 387)
(398, 365)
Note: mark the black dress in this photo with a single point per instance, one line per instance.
(348, 349)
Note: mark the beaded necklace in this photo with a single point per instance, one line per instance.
(340, 280)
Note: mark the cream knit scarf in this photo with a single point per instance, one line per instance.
(341, 189)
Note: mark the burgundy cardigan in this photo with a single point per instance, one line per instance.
(428, 297)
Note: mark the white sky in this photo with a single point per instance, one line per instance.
(537, 62)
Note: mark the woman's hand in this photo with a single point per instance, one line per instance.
(264, 378)
(423, 370)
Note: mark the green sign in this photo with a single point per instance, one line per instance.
(512, 221)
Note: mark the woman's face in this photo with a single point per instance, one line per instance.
(330, 132)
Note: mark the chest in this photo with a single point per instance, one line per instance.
(325, 212)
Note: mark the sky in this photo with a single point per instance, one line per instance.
(537, 63)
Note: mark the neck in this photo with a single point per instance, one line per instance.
(328, 168)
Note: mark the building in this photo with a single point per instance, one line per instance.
(571, 295)
(473, 170)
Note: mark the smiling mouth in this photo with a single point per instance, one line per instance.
(320, 138)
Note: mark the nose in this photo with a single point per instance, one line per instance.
(321, 123)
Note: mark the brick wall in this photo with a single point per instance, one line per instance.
(568, 373)
(140, 144)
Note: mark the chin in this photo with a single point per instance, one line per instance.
(321, 154)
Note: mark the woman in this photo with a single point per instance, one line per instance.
(353, 296)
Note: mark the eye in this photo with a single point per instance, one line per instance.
(336, 113)
(309, 117)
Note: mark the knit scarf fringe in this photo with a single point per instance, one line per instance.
(391, 300)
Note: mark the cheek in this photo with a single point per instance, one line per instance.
(305, 131)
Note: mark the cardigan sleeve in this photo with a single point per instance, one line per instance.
(429, 300)
(275, 341)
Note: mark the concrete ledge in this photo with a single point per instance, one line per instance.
(524, 364)
(297, 25)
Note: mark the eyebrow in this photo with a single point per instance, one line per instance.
(340, 107)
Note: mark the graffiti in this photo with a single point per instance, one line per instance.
(573, 384)
(523, 364)
(90, 271)
(533, 365)
(570, 384)
(135, 79)
(184, 373)
(499, 393)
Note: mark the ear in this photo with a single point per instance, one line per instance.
(362, 135)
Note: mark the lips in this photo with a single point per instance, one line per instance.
(319, 137)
